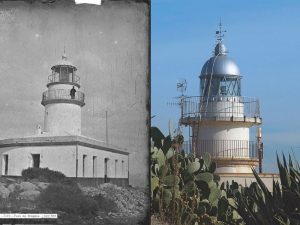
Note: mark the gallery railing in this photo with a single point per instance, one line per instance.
(68, 78)
(59, 95)
(220, 106)
(223, 148)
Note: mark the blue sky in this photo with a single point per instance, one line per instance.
(263, 39)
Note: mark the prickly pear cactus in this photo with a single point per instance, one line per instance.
(184, 190)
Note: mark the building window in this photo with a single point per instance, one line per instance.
(94, 165)
(116, 168)
(105, 170)
(36, 160)
(83, 165)
(64, 75)
(123, 168)
(5, 158)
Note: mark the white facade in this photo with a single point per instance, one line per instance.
(62, 119)
(74, 156)
(222, 107)
(225, 141)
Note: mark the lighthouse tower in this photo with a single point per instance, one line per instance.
(63, 100)
(221, 118)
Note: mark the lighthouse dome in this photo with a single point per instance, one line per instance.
(220, 64)
(64, 62)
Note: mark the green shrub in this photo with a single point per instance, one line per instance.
(43, 174)
(69, 199)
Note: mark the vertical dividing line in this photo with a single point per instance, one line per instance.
(76, 161)
(106, 126)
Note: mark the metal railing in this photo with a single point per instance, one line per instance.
(62, 94)
(220, 106)
(223, 148)
(69, 78)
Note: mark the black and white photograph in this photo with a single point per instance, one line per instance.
(74, 111)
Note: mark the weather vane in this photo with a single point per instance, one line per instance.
(220, 32)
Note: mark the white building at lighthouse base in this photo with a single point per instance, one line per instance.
(75, 156)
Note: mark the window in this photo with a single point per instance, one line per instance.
(36, 160)
(94, 165)
(70, 75)
(83, 165)
(64, 75)
(105, 170)
(116, 168)
(5, 158)
(123, 168)
(223, 90)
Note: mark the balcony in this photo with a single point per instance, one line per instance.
(62, 96)
(65, 79)
(224, 149)
(224, 108)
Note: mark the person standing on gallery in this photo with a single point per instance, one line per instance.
(72, 93)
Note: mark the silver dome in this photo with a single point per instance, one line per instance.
(220, 65)
(220, 49)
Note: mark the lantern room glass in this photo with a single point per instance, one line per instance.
(64, 74)
(221, 86)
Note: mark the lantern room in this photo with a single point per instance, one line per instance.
(64, 72)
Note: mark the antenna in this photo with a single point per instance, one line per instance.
(220, 32)
(181, 85)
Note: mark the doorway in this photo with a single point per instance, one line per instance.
(5, 158)
(36, 160)
(83, 164)
(94, 165)
(116, 168)
(105, 170)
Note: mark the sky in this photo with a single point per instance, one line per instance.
(109, 46)
(261, 37)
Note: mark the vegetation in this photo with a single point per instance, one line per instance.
(185, 190)
(46, 175)
(257, 205)
(42, 174)
(69, 199)
(52, 192)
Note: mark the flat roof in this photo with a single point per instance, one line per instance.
(61, 140)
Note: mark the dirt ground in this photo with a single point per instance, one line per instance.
(122, 205)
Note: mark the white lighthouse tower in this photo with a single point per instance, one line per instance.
(221, 118)
(63, 100)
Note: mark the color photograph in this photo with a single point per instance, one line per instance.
(224, 115)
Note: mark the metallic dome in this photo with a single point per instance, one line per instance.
(220, 64)
(220, 49)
